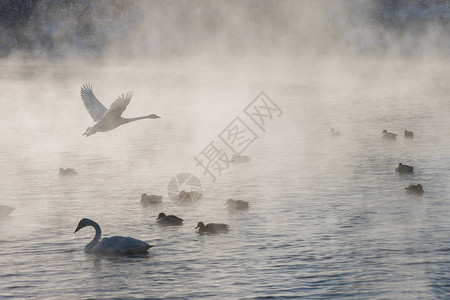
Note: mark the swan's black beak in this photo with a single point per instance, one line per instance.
(78, 228)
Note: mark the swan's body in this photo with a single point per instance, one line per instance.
(67, 172)
(236, 205)
(107, 119)
(414, 189)
(388, 136)
(146, 200)
(169, 220)
(401, 168)
(212, 228)
(116, 245)
(5, 210)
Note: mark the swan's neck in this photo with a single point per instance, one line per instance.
(97, 237)
(128, 120)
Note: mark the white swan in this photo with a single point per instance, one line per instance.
(116, 245)
(107, 119)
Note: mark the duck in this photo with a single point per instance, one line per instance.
(189, 197)
(146, 200)
(169, 220)
(236, 204)
(334, 133)
(408, 134)
(388, 136)
(414, 189)
(212, 228)
(401, 168)
(239, 158)
(116, 245)
(67, 172)
(5, 210)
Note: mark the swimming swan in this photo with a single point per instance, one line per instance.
(107, 119)
(116, 245)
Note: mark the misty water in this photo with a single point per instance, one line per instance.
(328, 217)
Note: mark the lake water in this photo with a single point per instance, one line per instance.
(328, 217)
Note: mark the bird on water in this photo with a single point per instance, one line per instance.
(107, 119)
(116, 245)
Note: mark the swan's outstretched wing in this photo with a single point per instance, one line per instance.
(93, 106)
(118, 107)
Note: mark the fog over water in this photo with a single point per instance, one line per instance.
(328, 217)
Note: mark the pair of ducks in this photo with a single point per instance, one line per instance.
(183, 198)
(412, 189)
(211, 228)
(390, 136)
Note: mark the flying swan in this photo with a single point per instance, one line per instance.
(107, 119)
(116, 245)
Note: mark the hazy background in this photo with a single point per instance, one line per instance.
(328, 217)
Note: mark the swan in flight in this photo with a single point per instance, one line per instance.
(116, 245)
(107, 119)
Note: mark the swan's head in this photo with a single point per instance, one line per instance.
(161, 215)
(384, 131)
(83, 223)
(153, 116)
(200, 225)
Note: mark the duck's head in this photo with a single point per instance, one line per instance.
(384, 131)
(200, 225)
(229, 201)
(400, 164)
(161, 215)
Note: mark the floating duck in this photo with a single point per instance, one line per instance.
(236, 205)
(408, 134)
(212, 228)
(146, 200)
(239, 159)
(67, 172)
(414, 189)
(388, 136)
(401, 168)
(169, 220)
(116, 245)
(334, 133)
(189, 197)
